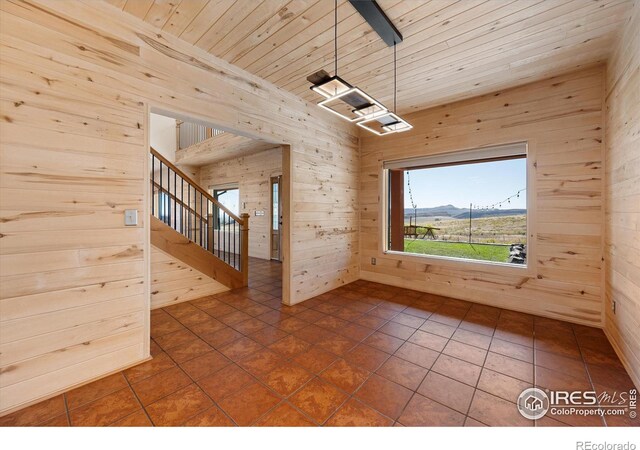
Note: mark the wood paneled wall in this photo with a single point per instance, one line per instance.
(74, 285)
(173, 281)
(77, 77)
(623, 196)
(561, 118)
(252, 174)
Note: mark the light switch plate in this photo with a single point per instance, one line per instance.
(130, 217)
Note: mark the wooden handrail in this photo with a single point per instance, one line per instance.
(195, 185)
(182, 204)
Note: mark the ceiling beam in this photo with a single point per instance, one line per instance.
(381, 24)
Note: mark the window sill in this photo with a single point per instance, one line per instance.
(490, 267)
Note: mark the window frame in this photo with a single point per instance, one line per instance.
(460, 157)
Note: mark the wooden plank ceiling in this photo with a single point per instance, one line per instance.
(220, 148)
(451, 50)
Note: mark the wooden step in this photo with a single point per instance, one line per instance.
(175, 244)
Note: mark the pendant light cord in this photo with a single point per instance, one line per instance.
(395, 79)
(335, 36)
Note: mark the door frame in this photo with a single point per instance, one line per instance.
(286, 200)
(275, 179)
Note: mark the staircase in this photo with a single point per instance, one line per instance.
(192, 226)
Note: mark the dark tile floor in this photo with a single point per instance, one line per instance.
(365, 354)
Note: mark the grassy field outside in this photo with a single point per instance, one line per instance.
(483, 252)
(487, 230)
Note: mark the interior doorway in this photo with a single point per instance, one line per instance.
(276, 218)
(254, 173)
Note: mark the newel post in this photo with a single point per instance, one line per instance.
(244, 228)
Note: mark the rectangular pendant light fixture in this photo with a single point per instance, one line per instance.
(350, 102)
(384, 124)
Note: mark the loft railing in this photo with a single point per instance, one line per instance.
(188, 134)
(191, 211)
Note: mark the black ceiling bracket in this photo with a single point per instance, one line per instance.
(381, 24)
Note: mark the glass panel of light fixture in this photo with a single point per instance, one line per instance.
(331, 88)
(385, 124)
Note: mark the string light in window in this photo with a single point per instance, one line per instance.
(506, 200)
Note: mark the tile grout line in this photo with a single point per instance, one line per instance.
(281, 398)
(586, 368)
(85, 404)
(484, 362)
(449, 339)
(414, 392)
(314, 375)
(535, 372)
(144, 409)
(354, 397)
(66, 409)
(194, 382)
(441, 353)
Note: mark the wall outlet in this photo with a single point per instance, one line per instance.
(130, 217)
(373, 261)
(613, 306)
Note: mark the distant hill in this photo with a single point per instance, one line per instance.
(479, 213)
(444, 210)
(462, 213)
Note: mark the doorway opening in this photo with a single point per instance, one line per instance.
(249, 177)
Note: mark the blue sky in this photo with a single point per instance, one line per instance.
(480, 184)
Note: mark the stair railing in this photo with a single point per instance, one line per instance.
(188, 134)
(183, 205)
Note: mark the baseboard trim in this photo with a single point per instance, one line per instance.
(623, 359)
(67, 389)
(599, 324)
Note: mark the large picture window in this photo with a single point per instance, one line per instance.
(469, 205)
